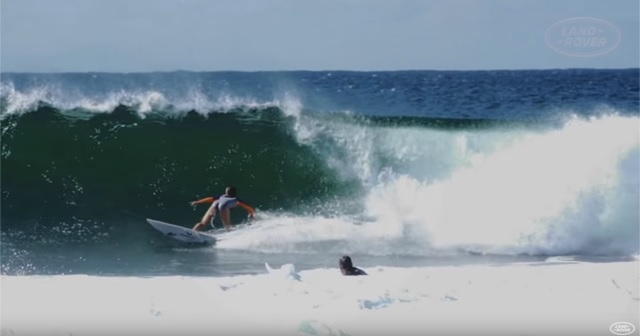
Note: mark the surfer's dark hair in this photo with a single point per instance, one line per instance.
(346, 263)
(231, 191)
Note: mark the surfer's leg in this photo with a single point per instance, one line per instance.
(225, 204)
(225, 216)
(208, 216)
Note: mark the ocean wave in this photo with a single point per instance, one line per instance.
(85, 163)
(401, 188)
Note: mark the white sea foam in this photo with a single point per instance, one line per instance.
(143, 101)
(559, 297)
(554, 192)
(17, 101)
(570, 190)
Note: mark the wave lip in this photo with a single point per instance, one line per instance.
(143, 102)
(504, 95)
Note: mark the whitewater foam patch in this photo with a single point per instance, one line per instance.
(65, 100)
(534, 299)
(291, 234)
(143, 101)
(570, 190)
(15, 101)
(556, 192)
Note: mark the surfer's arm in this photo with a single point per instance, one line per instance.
(247, 207)
(204, 200)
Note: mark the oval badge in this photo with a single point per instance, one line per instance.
(622, 328)
(583, 37)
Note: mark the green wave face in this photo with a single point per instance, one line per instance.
(57, 168)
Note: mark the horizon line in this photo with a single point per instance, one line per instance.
(303, 70)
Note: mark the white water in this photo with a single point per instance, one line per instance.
(557, 297)
(144, 101)
(571, 190)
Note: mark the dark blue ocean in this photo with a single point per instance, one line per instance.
(399, 168)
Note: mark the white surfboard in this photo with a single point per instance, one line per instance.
(182, 233)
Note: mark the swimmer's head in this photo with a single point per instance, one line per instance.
(230, 191)
(345, 264)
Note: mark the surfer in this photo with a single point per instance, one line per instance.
(347, 268)
(222, 205)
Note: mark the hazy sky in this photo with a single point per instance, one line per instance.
(248, 35)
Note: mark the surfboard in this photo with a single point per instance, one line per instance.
(182, 233)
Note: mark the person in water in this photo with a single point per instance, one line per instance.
(222, 205)
(346, 267)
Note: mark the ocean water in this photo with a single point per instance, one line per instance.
(412, 173)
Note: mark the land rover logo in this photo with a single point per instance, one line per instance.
(583, 37)
(622, 328)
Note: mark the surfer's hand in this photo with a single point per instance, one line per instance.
(192, 203)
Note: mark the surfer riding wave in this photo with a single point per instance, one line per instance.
(222, 205)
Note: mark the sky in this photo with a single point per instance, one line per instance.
(272, 35)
